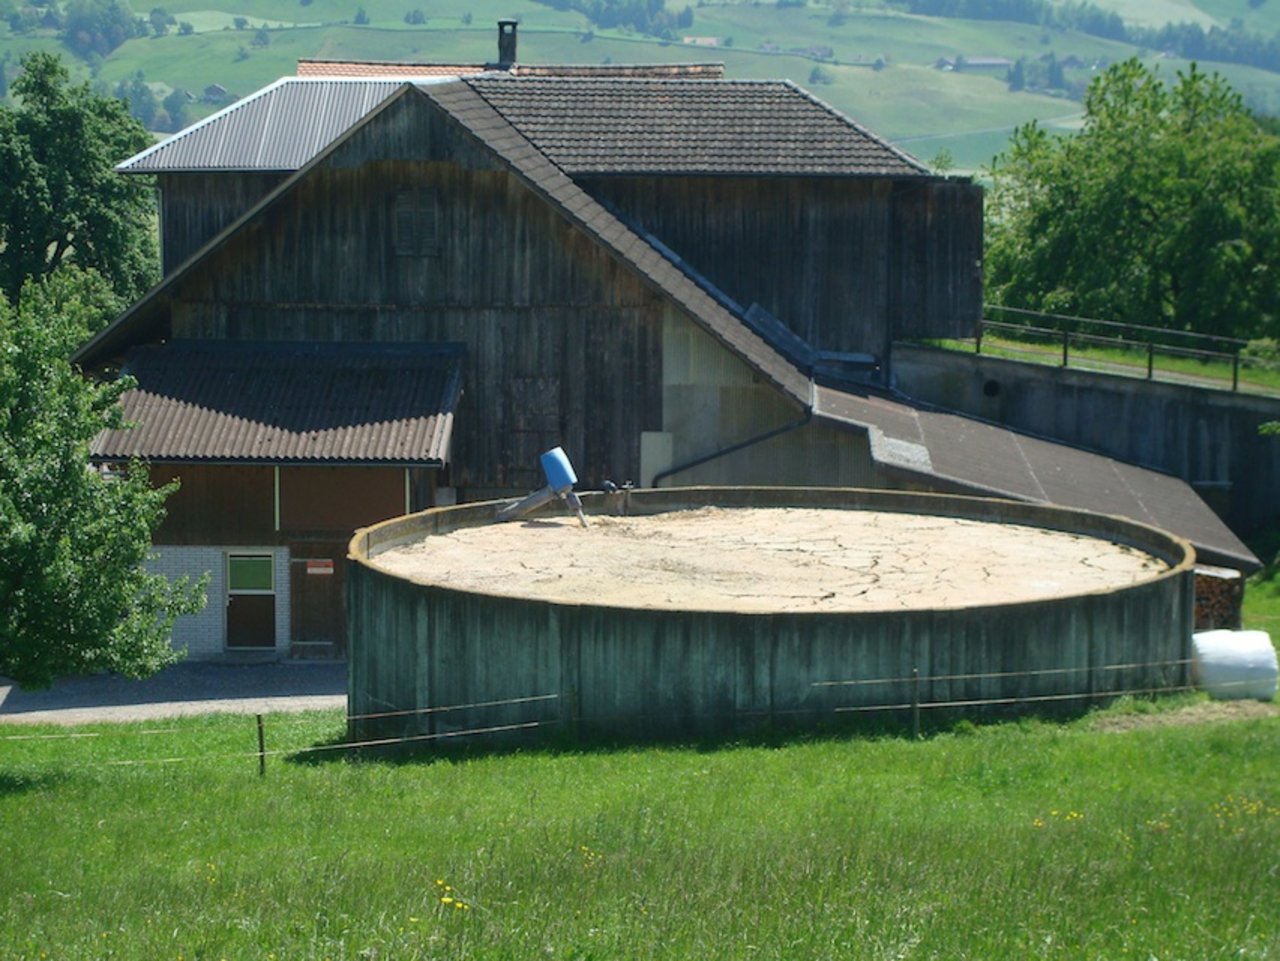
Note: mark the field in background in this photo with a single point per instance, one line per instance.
(969, 114)
(1117, 836)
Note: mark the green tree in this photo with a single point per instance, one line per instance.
(1164, 209)
(139, 96)
(178, 108)
(60, 199)
(75, 596)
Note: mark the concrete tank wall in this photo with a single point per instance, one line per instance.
(418, 651)
(1209, 438)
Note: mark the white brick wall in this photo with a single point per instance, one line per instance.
(203, 635)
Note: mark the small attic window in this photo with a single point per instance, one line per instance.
(415, 223)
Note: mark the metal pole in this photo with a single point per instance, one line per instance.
(262, 750)
(915, 703)
(1151, 360)
(1235, 370)
(1066, 339)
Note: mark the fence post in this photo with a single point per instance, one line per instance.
(1235, 370)
(977, 340)
(1066, 340)
(915, 703)
(262, 750)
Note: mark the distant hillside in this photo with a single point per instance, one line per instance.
(938, 85)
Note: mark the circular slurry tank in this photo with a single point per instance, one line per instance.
(694, 611)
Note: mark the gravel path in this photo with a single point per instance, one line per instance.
(184, 689)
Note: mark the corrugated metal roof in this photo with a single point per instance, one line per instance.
(584, 124)
(985, 458)
(254, 402)
(280, 127)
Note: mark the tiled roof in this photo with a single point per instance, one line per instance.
(585, 124)
(690, 127)
(974, 457)
(384, 68)
(393, 68)
(255, 402)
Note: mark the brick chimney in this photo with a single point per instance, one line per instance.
(507, 43)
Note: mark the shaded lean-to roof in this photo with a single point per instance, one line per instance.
(297, 403)
(583, 124)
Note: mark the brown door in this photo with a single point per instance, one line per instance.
(251, 601)
(317, 590)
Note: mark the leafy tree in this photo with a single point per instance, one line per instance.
(241, 22)
(161, 20)
(178, 108)
(60, 199)
(185, 28)
(362, 17)
(1164, 209)
(75, 596)
(99, 26)
(1017, 76)
(139, 97)
(262, 38)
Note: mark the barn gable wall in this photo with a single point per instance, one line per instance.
(196, 207)
(564, 342)
(849, 264)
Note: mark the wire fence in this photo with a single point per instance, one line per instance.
(915, 703)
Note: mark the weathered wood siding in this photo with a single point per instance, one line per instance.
(564, 344)
(848, 264)
(196, 207)
(236, 504)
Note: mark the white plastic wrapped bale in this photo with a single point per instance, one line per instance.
(1235, 665)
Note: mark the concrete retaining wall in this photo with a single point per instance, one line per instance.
(418, 651)
(1209, 438)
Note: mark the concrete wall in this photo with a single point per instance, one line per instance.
(430, 651)
(1209, 438)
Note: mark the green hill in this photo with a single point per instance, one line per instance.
(877, 64)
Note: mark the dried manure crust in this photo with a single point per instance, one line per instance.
(759, 560)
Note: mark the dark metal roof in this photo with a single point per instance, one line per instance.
(950, 451)
(585, 124)
(254, 402)
(593, 125)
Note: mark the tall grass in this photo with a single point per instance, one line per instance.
(1012, 841)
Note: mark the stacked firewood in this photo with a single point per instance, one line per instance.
(1219, 594)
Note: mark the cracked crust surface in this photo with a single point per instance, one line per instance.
(759, 560)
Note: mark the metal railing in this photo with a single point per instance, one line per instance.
(1081, 333)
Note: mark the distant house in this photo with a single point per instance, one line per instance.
(386, 293)
(214, 93)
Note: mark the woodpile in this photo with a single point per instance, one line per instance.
(1219, 595)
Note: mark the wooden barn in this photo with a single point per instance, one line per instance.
(384, 293)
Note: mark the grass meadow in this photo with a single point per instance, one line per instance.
(1119, 835)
